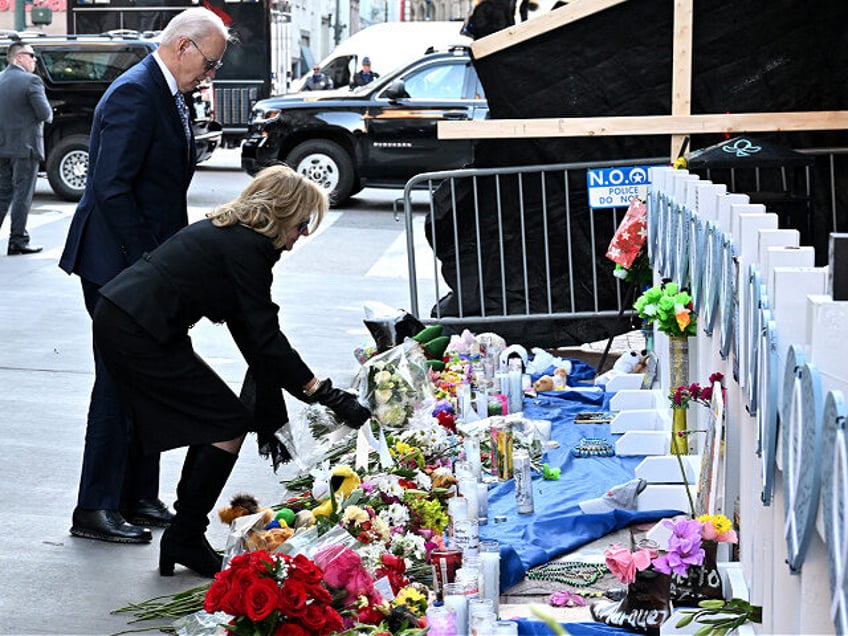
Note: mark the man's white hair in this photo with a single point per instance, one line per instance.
(195, 23)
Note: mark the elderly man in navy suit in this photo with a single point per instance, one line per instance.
(23, 110)
(141, 161)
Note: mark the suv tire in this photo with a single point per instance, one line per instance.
(327, 164)
(67, 167)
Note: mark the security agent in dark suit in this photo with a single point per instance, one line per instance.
(363, 76)
(141, 161)
(23, 110)
(219, 269)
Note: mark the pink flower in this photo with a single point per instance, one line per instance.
(565, 598)
(728, 537)
(624, 564)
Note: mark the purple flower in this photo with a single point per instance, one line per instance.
(684, 548)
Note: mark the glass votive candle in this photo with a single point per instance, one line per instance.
(456, 599)
(482, 623)
(506, 628)
(466, 535)
(490, 569)
(445, 564)
(441, 621)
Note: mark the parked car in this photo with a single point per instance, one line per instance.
(77, 70)
(379, 135)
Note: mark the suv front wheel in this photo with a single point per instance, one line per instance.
(67, 167)
(327, 164)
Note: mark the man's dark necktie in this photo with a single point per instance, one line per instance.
(182, 108)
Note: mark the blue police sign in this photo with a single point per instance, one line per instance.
(615, 187)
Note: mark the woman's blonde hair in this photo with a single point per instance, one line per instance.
(277, 200)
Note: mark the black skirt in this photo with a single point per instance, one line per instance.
(173, 397)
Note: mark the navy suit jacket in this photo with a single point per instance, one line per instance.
(139, 169)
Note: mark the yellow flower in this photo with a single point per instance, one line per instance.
(721, 523)
(413, 599)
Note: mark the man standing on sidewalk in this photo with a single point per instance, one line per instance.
(23, 110)
(141, 162)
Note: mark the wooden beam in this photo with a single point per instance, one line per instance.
(643, 125)
(573, 11)
(681, 79)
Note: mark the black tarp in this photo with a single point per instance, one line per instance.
(752, 56)
(779, 177)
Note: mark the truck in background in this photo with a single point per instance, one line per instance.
(389, 45)
(245, 77)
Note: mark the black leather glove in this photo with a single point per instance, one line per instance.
(343, 404)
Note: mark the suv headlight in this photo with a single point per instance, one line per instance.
(263, 116)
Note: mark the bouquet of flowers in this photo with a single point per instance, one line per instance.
(273, 595)
(395, 383)
(669, 307)
(683, 395)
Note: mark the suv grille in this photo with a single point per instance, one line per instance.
(233, 105)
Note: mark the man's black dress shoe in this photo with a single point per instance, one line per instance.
(107, 525)
(149, 512)
(26, 248)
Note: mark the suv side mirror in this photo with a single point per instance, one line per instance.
(396, 90)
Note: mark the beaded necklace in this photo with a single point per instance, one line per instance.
(573, 573)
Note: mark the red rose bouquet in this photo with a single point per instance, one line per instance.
(273, 595)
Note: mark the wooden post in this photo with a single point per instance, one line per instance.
(681, 80)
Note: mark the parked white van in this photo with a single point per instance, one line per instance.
(389, 45)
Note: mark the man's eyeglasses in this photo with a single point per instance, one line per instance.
(210, 64)
(32, 55)
(302, 227)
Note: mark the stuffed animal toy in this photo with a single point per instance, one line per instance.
(343, 481)
(548, 383)
(630, 362)
(270, 530)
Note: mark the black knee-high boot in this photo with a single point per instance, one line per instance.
(205, 471)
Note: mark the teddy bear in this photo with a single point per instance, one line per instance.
(629, 362)
(548, 383)
(268, 532)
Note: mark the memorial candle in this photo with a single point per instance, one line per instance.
(456, 599)
(490, 563)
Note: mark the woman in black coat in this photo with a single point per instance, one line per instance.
(220, 269)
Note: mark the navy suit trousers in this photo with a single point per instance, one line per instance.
(114, 470)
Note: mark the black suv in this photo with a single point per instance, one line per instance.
(77, 70)
(379, 135)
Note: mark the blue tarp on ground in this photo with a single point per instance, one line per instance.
(530, 627)
(558, 526)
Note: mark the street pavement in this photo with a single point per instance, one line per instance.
(54, 583)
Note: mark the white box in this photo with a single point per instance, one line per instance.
(643, 443)
(625, 381)
(641, 420)
(665, 469)
(665, 497)
(637, 399)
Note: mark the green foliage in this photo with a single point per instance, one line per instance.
(718, 617)
(670, 308)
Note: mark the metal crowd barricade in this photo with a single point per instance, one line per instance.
(552, 220)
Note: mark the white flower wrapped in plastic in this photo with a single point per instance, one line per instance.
(395, 383)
